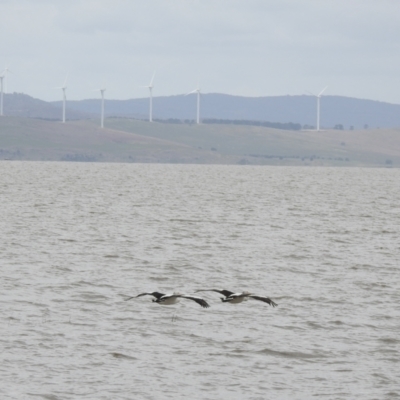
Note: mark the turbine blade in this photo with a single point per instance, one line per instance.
(152, 79)
(193, 91)
(322, 91)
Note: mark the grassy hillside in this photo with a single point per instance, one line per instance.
(125, 140)
(30, 139)
(260, 145)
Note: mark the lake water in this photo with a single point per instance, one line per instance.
(77, 238)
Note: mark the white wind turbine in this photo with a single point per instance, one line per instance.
(5, 73)
(198, 102)
(64, 88)
(318, 104)
(102, 106)
(150, 87)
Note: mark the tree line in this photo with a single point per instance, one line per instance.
(277, 125)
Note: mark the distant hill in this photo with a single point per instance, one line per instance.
(297, 110)
(335, 110)
(22, 105)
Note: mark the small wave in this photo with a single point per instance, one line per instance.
(337, 322)
(389, 340)
(236, 354)
(159, 278)
(80, 324)
(93, 296)
(339, 241)
(120, 355)
(45, 396)
(315, 325)
(296, 257)
(64, 269)
(104, 285)
(395, 395)
(289, 354)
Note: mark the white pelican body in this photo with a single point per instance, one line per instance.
(236, 298)
(167, 299)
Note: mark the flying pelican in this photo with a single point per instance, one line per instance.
(168, 299)
(235, 298)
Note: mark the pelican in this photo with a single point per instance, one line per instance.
(234, 298)
(168, 299)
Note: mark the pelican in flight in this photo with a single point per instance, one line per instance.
(235, 298)
(168, 299)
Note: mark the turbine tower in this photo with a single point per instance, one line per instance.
(150, 87)
(318, 104)
(198, 102)
(1, 93)
(64, 88)
(102, 107)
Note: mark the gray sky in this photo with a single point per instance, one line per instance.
(240, 47)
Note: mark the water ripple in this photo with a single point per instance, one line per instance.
(78, 238)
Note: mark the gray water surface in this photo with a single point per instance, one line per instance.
(76, 239)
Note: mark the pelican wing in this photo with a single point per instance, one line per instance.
(198, 300)
(224, 292)
(157, 295)
(264, 299)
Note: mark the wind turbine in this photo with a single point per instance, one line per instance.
(64, 88)
(1, 93)
(3, 89)
(6, 71)
(150, 87)
(198, 102)
(102, 105)
(318, 104)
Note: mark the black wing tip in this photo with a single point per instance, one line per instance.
(203, 303)
(272, 303)
(198, 300)
(265, 300)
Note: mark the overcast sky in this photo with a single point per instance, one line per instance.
(239, 47)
